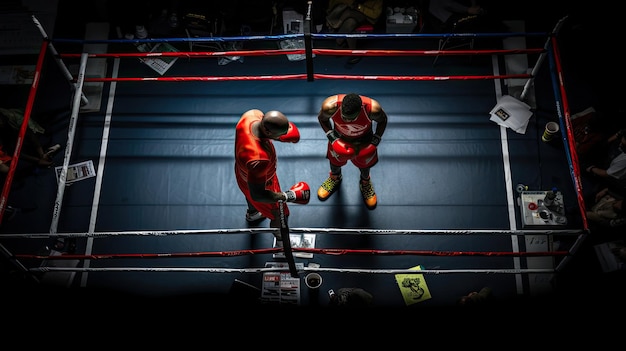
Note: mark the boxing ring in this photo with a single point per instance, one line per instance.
(440, 230)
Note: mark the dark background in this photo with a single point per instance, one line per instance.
(585, 40)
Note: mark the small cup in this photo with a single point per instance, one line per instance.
(313, 280)
(551, 129)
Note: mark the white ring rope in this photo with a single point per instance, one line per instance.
(284, 269)
(296, 231)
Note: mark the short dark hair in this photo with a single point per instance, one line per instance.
(351, 104)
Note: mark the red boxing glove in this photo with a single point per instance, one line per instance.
(299, 193)
(292, 135)
(339, 146)
(343, 148)
(367, 151)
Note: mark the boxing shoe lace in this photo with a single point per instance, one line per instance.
(329, 186)
(367, 190)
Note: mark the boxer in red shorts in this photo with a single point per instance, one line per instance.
(348, 121)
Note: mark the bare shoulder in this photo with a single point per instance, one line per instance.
(329, 105)
(375, 105)
(254, 111)
(376, 109)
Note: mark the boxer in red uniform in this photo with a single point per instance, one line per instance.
(347, 120)
(255, 165)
